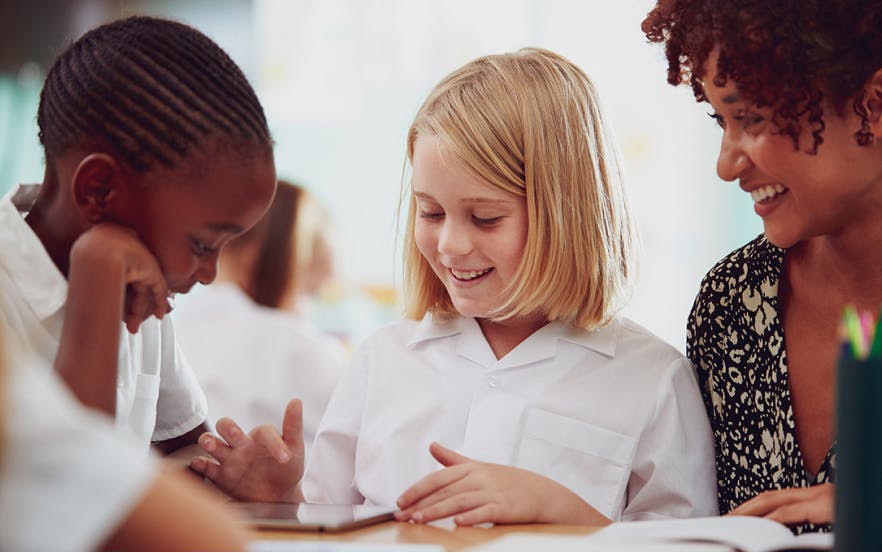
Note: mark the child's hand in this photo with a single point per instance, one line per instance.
(108, 246)
(259, 466)
(475, 492)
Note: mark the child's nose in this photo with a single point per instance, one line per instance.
(207, 270)
(454, 240)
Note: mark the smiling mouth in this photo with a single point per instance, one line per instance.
(465, 276)
(766, 193)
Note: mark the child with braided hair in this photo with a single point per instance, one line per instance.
(157, 154)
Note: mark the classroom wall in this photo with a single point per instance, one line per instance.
(341, 79)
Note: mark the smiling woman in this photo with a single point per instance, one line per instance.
(797, 90)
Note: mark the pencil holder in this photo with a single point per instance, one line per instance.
(858, 503)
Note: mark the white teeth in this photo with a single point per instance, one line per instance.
(468, 275)
(769, 191)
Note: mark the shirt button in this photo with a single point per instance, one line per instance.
(493, 382)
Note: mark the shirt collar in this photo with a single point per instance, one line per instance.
(541, 345)
(23, 256)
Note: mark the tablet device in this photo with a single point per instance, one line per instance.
(313, 517)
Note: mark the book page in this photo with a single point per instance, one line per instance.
(739, 533)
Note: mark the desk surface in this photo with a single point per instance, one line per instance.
(447, 537)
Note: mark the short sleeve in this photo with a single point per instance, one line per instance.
(66, 479)
(181, 405)
(673, 471)
(330, 475)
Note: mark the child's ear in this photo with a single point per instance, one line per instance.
(97, 185)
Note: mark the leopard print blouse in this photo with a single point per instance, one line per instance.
(736, 343)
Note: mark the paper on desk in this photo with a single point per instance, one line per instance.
(705, 534)
(328, 545)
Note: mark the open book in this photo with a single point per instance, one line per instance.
(739, 533)
(710, 533)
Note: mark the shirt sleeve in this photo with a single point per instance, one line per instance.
(181, 405)
(673, 473)
(66, 480)
(330, 475)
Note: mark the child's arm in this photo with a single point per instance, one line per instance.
(259, 466)
(112, 277)
(177, 515)
(191, 438)
(475, 492)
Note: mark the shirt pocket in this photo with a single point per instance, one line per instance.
(142, 418)
(593, 462)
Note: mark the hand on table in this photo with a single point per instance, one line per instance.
(475, 492)
(792, 505)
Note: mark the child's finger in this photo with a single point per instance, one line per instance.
(292, 424)
(268, 438)
(479, 515)
(451, 506)
(160, 300)
(231, 432)
(429, 485)
(136, 305)
(206, 467)
(215, 447)
(438, 496)
(445, 456)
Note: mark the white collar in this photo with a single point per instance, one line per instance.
(24, 258)
(540, 345)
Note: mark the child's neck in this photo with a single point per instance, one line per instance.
(505, 336)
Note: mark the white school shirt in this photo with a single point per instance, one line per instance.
(614, 415)
(66, 479)
(251, 360)
(157, 394)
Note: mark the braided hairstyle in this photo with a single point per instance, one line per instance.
(152, 90)
(792, 56)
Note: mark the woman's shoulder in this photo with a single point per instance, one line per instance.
(757, 257)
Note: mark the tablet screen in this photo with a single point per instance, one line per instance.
(313, 517)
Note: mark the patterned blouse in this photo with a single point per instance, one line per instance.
(736, 342)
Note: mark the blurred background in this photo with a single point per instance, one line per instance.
(340, 81)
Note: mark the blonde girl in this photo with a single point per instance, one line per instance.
(519, 254)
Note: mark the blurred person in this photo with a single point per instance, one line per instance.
(248, 335)
(68, 482)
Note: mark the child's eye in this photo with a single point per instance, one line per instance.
(199, 248)
(486, 221)
(431, 215)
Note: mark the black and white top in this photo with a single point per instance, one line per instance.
(736, 342)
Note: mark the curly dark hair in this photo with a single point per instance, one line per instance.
(792, 56)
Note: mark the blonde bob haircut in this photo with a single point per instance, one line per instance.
(530, 123)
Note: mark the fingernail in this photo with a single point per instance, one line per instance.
(207, 444)
(417, 516)
(284, 457)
